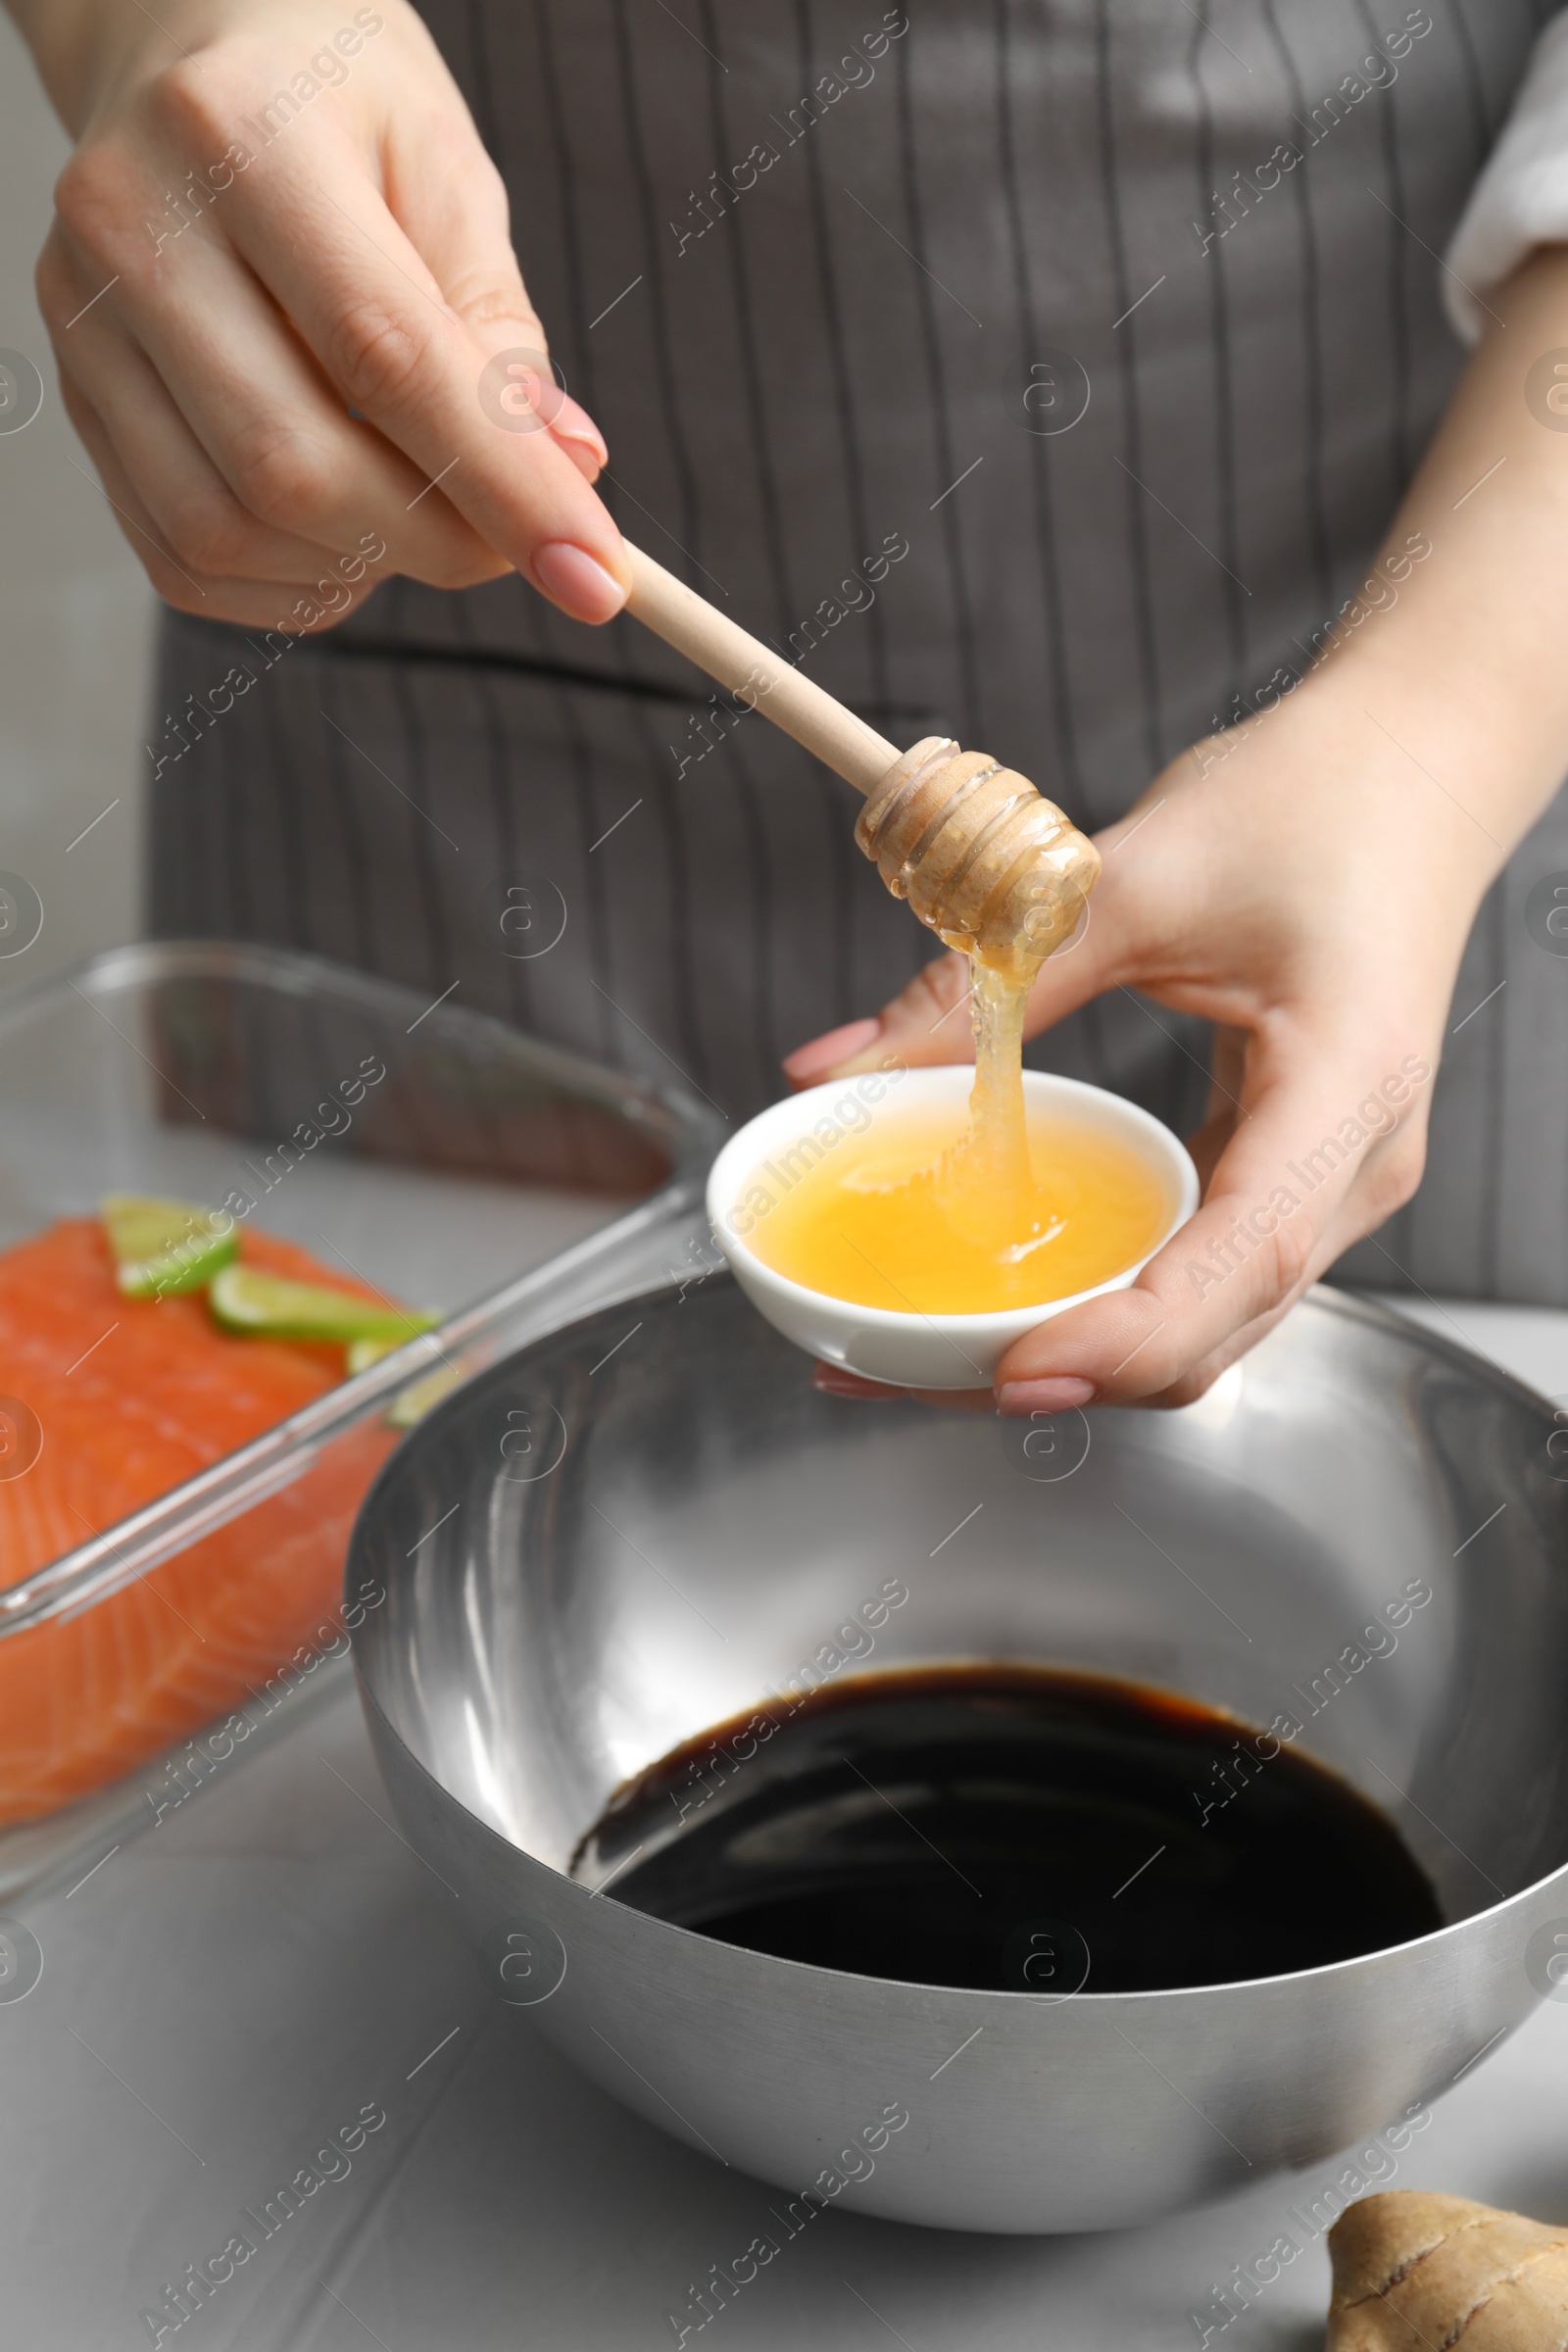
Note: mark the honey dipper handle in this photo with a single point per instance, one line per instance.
(755, 675)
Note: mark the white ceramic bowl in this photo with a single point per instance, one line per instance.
(913, 1350)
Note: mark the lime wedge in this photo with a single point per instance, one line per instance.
(411, 1404)
(420, 1396)
(245, 1298)
(162, 1247)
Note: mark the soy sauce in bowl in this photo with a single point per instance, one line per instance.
(1011, 1828)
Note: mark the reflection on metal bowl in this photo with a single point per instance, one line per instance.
(641, 1525)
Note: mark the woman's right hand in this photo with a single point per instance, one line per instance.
(288, 320)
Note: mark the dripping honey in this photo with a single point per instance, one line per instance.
(938, 1212)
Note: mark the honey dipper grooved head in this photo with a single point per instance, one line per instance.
(984, 859)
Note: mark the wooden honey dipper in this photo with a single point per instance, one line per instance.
(984, 859)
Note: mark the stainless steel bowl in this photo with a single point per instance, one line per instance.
(636, 1527)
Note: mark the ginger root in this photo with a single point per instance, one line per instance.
(1415, 2272)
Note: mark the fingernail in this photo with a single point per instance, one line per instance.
(571, 576)
(582, 457)
(573, 423)
(824, 1054)
(1022, 1398)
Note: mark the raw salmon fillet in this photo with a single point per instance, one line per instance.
(134, 1397)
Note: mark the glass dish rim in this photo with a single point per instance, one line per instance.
(146, 1538)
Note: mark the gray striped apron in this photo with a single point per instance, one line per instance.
(837, 284)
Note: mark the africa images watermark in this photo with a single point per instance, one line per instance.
(1545, 390)
(333, 1116)
(1379, 1639)
(328, 68)
(856, 593)
(198, 2285)
(198, 717)
(1372, 2166)
(1379, 592)
(1378, 1115)
(1377, 72)
(856, 72)
(852, 1644)
(198, 1761)
(849, 1116)
(854, 2163)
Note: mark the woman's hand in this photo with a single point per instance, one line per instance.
(279, 267)
(1307, 882)
(1305, 887)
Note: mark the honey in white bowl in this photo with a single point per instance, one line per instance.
(949, 1209)
(915, 1214)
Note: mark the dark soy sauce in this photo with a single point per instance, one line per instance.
(1012, 1828)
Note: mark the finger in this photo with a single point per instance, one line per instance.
(451, 202)
(831, 1054)
(255, 405)
(146, 541)
(253, 604)
(578, 435)
(927, 1022)
(370, 310)
(1297, 1183)
(192, 506)
(1202, 1378)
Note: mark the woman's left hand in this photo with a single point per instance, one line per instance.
(1304, 886)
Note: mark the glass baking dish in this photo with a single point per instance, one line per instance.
(429, 1151)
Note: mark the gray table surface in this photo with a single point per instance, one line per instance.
(231, 1987)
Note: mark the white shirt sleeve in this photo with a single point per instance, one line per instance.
(1521, 199)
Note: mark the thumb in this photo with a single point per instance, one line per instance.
(926, 1022)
